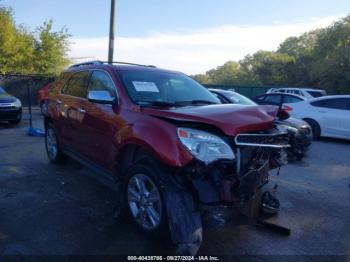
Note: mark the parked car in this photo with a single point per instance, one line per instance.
(43, 95)
(328, 116)
(277, 99)
(300, 131)
(10, 108)
(166, 141)
(308, 93)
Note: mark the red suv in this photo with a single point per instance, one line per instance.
(43, 95)
(175, 153)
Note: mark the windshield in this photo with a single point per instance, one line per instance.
(316, 93)
(165, 88)
(2, 91)
(239, 99)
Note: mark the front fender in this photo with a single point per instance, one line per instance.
(161, 141)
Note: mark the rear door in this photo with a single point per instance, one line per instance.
(100, 123)
(335, 116)
(72, 98)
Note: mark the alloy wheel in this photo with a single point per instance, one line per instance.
(51, 143)
(144, 201)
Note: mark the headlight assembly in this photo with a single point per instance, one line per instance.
(285, 128)
(17, 103)
(204, 146)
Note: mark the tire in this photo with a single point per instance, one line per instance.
(143, 200)
(316, 129)
(43, 108)
(53, 150)
(16, 121)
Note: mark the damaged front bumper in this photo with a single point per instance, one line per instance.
(236, 182)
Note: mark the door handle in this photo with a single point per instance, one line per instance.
(321, 111)
(81, 110)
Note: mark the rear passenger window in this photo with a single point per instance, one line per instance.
(275, 99)
(335, 103)
(101, 81)
(76, 85)
(291, 99)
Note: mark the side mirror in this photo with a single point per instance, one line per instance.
(101, 97)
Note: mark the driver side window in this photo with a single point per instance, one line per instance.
(101, 81)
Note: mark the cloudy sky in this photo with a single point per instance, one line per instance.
(192, 36)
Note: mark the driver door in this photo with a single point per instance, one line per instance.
(100, 123)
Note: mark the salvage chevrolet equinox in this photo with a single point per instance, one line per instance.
(174, 152)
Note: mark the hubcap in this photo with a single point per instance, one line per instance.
(144, 201)
(51, 143)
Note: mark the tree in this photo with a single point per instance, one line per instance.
(319, 58)
(51, 49)
(202, 78)
(22, 51)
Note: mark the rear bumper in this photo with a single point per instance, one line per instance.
(7, 114)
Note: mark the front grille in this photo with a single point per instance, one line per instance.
(274, 140)
(6, 107)
(10, 114)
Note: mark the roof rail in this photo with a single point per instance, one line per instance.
(127, 63)
(96, 62)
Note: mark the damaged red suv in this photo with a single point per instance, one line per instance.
(174, 152)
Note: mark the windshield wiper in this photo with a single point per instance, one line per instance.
(176, 103)
(194, 102)
(155, 103)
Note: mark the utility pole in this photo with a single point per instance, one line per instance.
(111, 33)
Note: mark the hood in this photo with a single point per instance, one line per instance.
(6, 98)
(231, 119)
(270, 109)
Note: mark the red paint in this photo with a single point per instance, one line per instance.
(43, 93)
(103, 130)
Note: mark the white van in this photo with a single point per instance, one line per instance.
(308, 93)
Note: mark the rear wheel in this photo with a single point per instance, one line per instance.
(43, 108)
(316, 129)
(53, 150)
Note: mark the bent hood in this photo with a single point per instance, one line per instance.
(231, 119)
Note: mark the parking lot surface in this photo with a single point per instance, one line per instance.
(61, 210)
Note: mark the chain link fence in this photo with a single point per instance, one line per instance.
(24, 87)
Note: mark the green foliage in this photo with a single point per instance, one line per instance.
(319, 58)
(22, 51)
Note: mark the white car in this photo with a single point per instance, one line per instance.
(308, 93)
(328, 115)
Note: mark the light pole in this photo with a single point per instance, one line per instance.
(111, 33)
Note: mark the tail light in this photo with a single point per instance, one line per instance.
(282, 113)
(287, 108)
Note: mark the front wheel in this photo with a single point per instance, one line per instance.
(144, 200)
(53, 150)
(16, 121)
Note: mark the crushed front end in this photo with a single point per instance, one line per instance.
(235, 181)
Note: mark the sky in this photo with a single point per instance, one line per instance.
(192, 36)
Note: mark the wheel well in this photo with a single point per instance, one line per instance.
(47, 120)
(129, 154)
(310, 120)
